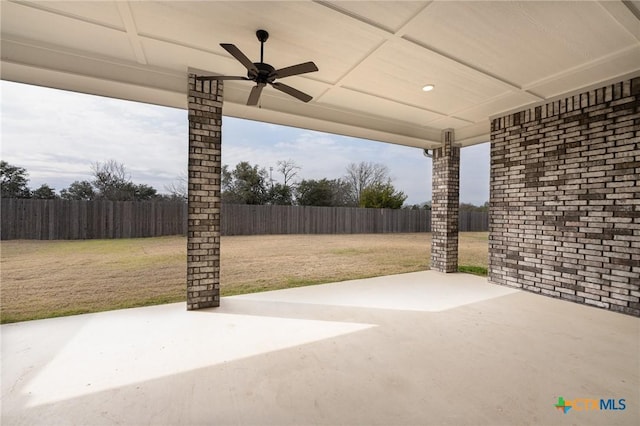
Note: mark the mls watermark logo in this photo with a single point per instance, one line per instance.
(590, 404)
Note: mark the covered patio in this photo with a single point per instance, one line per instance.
(418, 348)
(555, 87)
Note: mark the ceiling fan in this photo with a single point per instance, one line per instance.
(263, 73)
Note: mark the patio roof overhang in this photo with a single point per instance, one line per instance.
(484, 59)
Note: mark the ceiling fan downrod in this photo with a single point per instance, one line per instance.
(263, 36)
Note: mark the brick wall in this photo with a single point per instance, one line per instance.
(565, 198)
(445, 205)
(203, 223)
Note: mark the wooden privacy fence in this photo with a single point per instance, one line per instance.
(69, 220)
(72, 220)
(255, 220)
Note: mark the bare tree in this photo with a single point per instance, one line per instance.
(112, 182)
(178, 188)
(289, 170)
(110, 179)
(362, 175)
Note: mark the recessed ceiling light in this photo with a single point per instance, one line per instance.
(428, 87)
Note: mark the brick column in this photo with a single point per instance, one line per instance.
(445, 205)
(203, 229)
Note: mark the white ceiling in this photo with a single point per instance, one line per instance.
(485, 58)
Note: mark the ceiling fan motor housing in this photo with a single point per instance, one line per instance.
(265, 73)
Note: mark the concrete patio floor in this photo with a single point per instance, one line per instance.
(412, 349)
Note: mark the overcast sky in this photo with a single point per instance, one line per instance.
(57, 135)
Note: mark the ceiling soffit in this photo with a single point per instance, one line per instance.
(485, 58)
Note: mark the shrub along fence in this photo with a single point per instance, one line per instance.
(70, 220)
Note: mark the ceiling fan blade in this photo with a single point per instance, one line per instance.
(254, 96)
(291, 91)
(220, 77)
(295, 70)
(241, 57)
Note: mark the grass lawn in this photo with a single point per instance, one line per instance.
(42, 279)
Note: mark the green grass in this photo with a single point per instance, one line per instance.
(137, 303)
(475, 270)
(289, 282)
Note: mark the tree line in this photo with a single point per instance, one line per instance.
(110, 182)
(364, 185)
